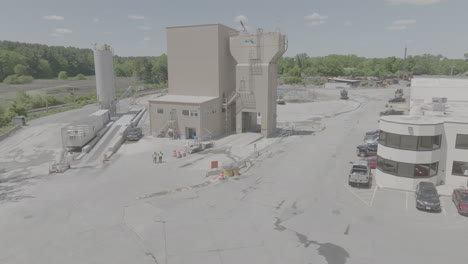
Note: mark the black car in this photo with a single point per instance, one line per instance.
(134, 133)
(367, 150)
(397, 100)
(427, 197)
(371, 134)
(391, 112)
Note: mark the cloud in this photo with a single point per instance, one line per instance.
(145, 27)
(315, 19)
(397, 27)
(348, 24)
(404, 22)
(54, 35)
(53, 17)
(240, 18)
(95, 20)
(63, 30)
(147, 38)
(316, 23)
(315, 16)
(136, 17)
(412, 2)
(401, 24)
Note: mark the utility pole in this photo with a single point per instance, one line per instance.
(451, 69)
(405, 75)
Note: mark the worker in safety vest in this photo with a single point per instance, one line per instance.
(160, 156)
(155, 157)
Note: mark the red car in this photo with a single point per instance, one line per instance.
(372, 162)
(460, 199)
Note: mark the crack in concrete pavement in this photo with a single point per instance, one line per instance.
(332, 253)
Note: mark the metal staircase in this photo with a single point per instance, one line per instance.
(171, 125)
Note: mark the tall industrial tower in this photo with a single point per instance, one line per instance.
(256, 78)
(105, 83)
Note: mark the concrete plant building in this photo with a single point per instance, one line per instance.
(430, 144)
(220, 81)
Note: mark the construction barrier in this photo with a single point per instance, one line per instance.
(179, 155)
(174, 153)
(105, 158)
(221, 175)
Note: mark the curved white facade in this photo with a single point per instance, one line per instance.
(416, 127)
(440, 158)
(105, 84)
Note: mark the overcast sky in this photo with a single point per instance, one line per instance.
(370, 28)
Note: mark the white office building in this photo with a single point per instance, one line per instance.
(429, 144)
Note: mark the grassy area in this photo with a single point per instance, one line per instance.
(53, 111)
(6, 128)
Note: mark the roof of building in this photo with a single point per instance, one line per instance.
(202, 25)
(344, 80)
(186, 99)
(440, 81)
(425, 120)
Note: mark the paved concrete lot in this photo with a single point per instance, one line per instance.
(292, 206)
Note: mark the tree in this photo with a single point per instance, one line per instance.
(143, 69)
(44, 70)
(63, 75)
(159, 70)
(21, 70)
(8, 61)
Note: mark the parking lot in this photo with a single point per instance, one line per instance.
(293, 205)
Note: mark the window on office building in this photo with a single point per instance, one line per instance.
(193, 113)
(405, 169)
(460, 168)
(409, 170)
(425, 143)
(160, 111)
(393, 140)
(185, 112)
(409, 142)
(462, 141)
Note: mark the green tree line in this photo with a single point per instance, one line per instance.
(23, 60)
(352, 65)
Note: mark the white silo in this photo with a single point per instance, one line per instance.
(105, 84)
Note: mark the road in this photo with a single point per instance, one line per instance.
(293, 206)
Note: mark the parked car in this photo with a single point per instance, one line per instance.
(391, 111)
(371, 134)
(367, 150)
(460, 199)
(372, 139)
(372, 162)
(427, 197)
(134, 133)
(397, 100)
(359, 174)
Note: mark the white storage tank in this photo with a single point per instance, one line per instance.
(105, 83)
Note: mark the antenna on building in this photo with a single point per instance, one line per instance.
(242, 24)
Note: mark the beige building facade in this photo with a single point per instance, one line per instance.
(228, 78)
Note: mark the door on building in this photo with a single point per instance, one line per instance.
(190, 132)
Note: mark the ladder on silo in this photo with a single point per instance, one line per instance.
(227, 104)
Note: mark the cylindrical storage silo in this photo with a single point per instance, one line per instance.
(105, 84)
